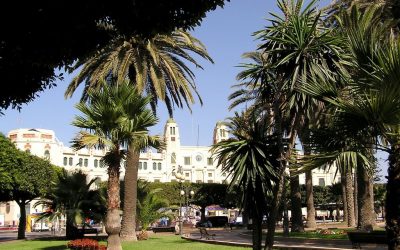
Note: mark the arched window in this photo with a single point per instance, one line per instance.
(154, 166)
(96, 163)
(86, 162)
(70, 161)
(47, 154)
(140, 165)
(173, 158)
(65, 161)
(159, 166)
(145, 165)
(80, 164)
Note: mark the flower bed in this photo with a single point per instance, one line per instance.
(85, 244)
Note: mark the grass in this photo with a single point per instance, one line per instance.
(167, 242)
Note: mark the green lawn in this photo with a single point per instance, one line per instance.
(156, 242)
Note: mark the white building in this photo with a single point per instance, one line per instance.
(195, 163)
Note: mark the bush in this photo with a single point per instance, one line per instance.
(85, 244)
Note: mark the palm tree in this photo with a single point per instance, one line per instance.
(370, 103)
(293, 44)
(74, 198)
(114, 117)
(151, 208)
(246, 158)
(157, 67)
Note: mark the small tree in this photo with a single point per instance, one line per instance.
(25, 177)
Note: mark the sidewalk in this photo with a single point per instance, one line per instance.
(242, 237)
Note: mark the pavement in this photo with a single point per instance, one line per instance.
(243, 237)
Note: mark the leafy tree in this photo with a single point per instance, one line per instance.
(25, 177)
(248, 159)
(74, 197)
(156, 66)
(92, 26)
(112, 119)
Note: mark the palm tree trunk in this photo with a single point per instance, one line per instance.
(348, 180)
(392, 210)
(128, 230)
(297, 217)
(113, 220)
(22, 219)
(365, 208)
(344, 196)
(279, 187)
(311, 223)
(355, 197)
(257, 231)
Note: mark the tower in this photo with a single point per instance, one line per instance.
(220, 132)
(173, 144)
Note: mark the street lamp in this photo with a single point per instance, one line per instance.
(186, 195)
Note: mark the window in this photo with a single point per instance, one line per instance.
(140, 165)
(210, 161)
(199, 181)
(65, 162)
(321, 182)
(80, 162)
(187, 160)
(172, 130)
(224, 174)
(159, 166)
(173, 158)
(156, 180)
(86, 162)
(145, 165)
(96, 163)
(28, 151)
(101, 163)
(154, 166)
(210, 181)
(187, 174)
(209, 174)
(47, 154)
(70, 161)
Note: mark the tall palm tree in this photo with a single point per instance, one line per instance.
(246, 158)
(157, 66)
(370, 103)
(115, 116)
(294, 43)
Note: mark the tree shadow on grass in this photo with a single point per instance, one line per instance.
(60, 247)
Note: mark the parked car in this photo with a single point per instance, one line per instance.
(40, 227)
(216, 221)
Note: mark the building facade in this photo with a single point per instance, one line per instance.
(176, 162)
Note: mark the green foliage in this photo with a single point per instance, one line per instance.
(24, 176)
(156, 66)
(74, 197)
(115, 122)
(151, 207)
(205, 194)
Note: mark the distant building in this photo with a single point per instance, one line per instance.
(189, 163)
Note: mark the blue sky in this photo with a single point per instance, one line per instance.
(227, 35)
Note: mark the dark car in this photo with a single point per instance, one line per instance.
(216, 221)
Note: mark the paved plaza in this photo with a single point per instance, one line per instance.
(235, 237)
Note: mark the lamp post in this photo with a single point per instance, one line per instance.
(186, 195)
